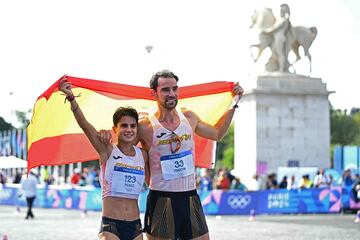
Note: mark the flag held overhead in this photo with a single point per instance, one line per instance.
(54, 137)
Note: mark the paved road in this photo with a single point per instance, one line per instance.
(70, 224)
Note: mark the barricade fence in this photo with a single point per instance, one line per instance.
(13, 143)
(215, 202)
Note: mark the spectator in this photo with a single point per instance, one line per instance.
(292, 183)
(90, 176)
(320, 180)
(238, 185)
(50, 180)
(305, 182)
(205, 182)
(356, 188)
(332, 182)
(28, 184)
(271, 182)
(222, 182)
(255, 184)
(17, 178)
(75, 178)
(2, 178)
(229, 175)
(346, 179)
(44, 173)
(283, 183)
(82, 181)
(96, 181)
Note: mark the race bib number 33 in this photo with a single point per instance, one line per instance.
(177, 165)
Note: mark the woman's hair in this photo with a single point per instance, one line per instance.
(125, 111)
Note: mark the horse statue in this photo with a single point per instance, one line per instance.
(281, 37)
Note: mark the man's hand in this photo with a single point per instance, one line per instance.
(65, 86)
(105, 136)
(237, 90)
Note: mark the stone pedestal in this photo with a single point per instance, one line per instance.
(282, 120)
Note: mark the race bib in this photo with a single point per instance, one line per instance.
(177, 165)
(127, 180)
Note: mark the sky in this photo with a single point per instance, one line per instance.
(201, 41)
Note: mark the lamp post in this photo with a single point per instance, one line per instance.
(149, 63)
(149, 48)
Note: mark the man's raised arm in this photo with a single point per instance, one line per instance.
(218, 131)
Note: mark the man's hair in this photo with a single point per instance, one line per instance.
(125, 111)
(154, 82)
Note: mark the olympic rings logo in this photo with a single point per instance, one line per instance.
(239, 201)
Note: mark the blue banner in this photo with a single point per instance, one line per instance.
(325, 200)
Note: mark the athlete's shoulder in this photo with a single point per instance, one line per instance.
(189, 114)
(144, 123)
(145, 132)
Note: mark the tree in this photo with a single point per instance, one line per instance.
(225, 150)
(4, 125)
(356, 118)
(23, 118)
(344, 128)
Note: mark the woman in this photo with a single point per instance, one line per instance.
(123, 170)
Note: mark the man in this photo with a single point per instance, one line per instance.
(173, 207)
(28, 185)
(321, 180)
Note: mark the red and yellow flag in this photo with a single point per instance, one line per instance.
(54, 137)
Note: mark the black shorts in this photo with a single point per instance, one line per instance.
(173, 215)
(125, 230)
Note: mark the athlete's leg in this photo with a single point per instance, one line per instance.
(107, 236)
(203, 237)
(149, 237)
(195, 226)
(139, 237)
(159, 222)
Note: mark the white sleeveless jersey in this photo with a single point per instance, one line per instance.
(122, 175)
(171, 157)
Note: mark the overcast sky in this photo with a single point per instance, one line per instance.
(201, 41)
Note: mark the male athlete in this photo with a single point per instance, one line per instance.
(173, 207)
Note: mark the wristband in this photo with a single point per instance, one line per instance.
(70, 98)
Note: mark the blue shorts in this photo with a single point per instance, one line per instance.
(125, 230)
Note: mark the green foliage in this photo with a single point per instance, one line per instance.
(228, 157)
(225, 150)
(356, 118)
(344, 128)
(23, 118)
(4, 125)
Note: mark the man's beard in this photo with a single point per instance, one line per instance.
(170, 106)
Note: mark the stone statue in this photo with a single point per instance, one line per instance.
(281, 37)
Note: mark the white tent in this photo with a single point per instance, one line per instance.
(12, 162)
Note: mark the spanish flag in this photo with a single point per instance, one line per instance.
(54, 137)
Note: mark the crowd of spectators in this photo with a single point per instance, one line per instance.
(207, 179)
(87, 176)
(223, 179)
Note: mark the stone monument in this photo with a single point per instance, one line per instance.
(283, 118)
